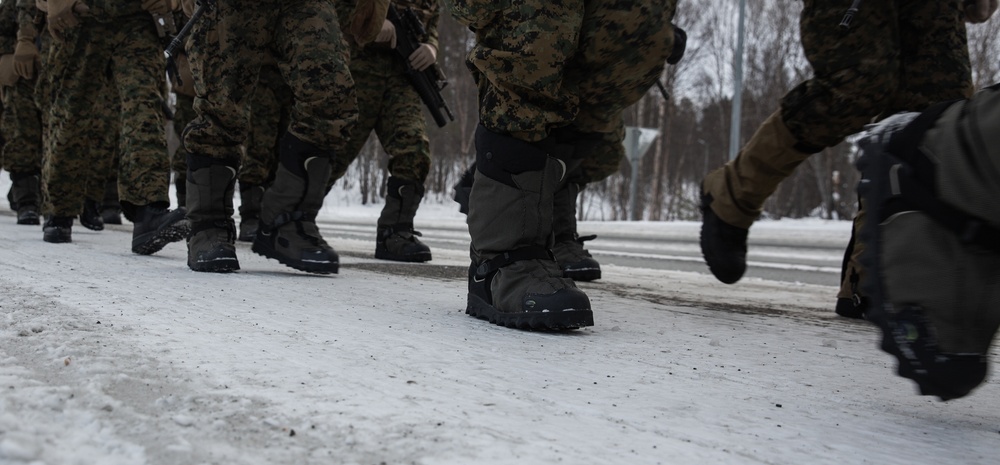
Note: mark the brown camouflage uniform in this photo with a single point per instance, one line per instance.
(115, 47)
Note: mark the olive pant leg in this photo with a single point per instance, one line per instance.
(21, 129)
(269, 113)
(311, 54)
(138, 69)
(402, 130)
(77, 78)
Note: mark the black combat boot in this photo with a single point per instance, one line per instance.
(111, 208)
(251, 196)
(25, 196)
(155, 226)
(288, 231)
(396, 240)
(723, 245)
(58, 229)
(210, 186)
(91, 216)
(514, 280)
(575, 261)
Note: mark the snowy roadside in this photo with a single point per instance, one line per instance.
(111, 358)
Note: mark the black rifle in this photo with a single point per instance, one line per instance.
(177, 44)
(849, 16)
(429, 82)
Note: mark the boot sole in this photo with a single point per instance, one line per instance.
(92, 226)
(264, 250)
(154, 241)
(219, 265)
(582, 275)
(58, 240)
(221, 259)
(551, 321)
(414, 258)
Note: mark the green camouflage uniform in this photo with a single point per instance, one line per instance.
(115, 47)
(21, 123)
(898, 55)
(387, 102)
(305, 32)
(554, 79)
(227, 51)
(542, 65)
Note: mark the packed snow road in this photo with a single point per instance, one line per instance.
(806, 255)
(112, 358)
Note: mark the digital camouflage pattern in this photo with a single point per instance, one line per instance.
(123, 53)
(183, 114)
(226, 51)
(388, 104)
(897, 55)
(21, 129)
(20, 122)
(270, 111)
(541, 65)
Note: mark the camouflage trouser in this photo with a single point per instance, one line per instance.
(21, 129)
(269, 116)
(226, 51)
(107, 157)
(125, 55)
(183, 114)
(898, 55)
(542, 65)
(390, 106)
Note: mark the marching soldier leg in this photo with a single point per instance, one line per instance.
(210, 186)
(288, 231)
(513, 279)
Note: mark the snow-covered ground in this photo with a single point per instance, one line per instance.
(112, 358)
